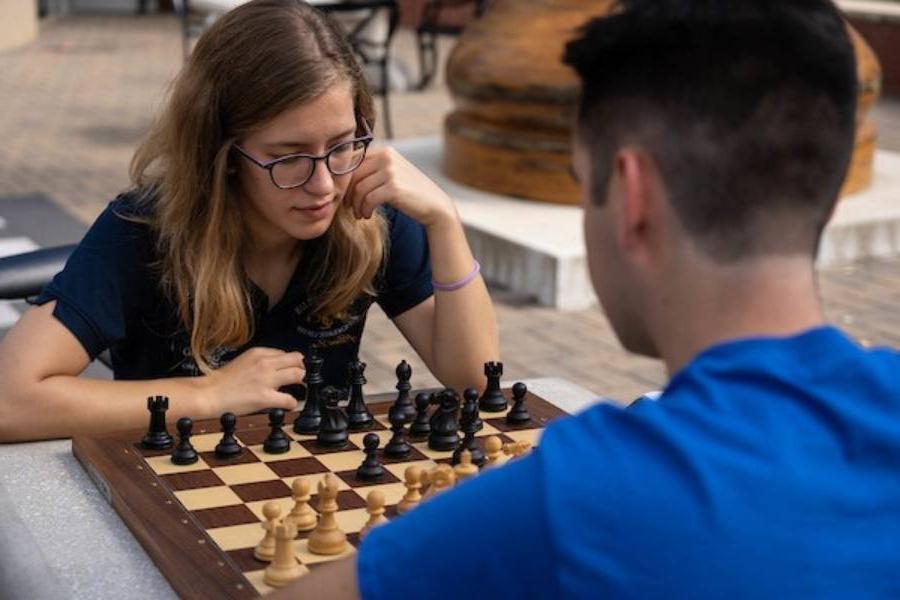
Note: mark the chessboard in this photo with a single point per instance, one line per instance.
(200, 522)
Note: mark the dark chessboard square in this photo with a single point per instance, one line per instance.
(352, 480)
(376, 426)
(413, 455)
(261, 490)
(192, 480)
(225, 516)
(245, 560)
(346, 500)
(391, 512)
(354, 540)
(252, 437)
(295, 467)
(315, 448)
(246, 457)
(148, 453)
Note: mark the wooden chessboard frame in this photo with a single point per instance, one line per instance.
(138, 484)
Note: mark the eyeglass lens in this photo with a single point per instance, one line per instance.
(341, 160)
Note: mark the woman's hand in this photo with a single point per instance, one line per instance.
(385, 177)
(250, 382)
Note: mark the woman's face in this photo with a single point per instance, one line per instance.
(277, 215)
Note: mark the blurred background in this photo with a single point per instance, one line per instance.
(81, 80)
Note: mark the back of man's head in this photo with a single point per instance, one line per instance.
(746, 106)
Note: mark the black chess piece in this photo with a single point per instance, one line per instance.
(157, 437)
(358, 415)
(404, 374)
(277, 442)
(471, 404)
(421, 426)
(309, 419)
(518, 415)
(493, 400)
(470, 423)
(370, 469)
(333, 429)
(228, 446)
(444, 435)
(397, 446)
(184, 453)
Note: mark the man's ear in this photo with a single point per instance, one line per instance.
(634, 175)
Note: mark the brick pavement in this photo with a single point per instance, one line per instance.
(74, 104)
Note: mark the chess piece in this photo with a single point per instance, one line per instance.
(184, 453)
(466, 468)
(358, 415)
(421, 426)
(277, 442)
(441, 478)
(444, 435)
(413, 481)
(493, 400)
(493, 447)
(375, 508)
(302, 515)
(518, 415)
(397, 446)
(470, 395)
(370, 469)
(284, 567)
(516, 449)
(404, 374)
(228, 447)
(310, 417)
(157, 437)
(470, 424)
(265, 550)
(327, 539)
(333, 428)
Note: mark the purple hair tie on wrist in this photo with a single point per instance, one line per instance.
(449, 287)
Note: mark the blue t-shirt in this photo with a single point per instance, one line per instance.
(769, 468)
(109, 296)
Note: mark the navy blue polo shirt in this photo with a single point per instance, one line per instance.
(768, 468)
(108, 295)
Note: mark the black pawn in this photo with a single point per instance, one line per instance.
(397, 446)
(444, 435)
(157, 437)
(310, 417)
(358, 415)
(421, 426)
(518, 415)
(333, 429)
(471, 405)
(370, 469)
(228, 447)
(184, 453)
(404, 374)
(493, 400)
(277, 442)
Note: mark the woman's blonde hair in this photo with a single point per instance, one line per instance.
(256, 61)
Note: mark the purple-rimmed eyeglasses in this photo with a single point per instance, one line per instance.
(293, 170)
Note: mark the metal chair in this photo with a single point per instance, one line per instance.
(23, 276)
(431, 26)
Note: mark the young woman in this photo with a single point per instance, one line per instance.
(261, 225)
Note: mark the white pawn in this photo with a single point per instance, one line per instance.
(466, 468)
(265, 550)
(413, 495)
(375, 508)
(493, 448)
(302, 516)
(284, 567)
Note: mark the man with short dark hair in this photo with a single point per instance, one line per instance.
(712, 140)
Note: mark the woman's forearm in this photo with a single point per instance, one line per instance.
(465, 326)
